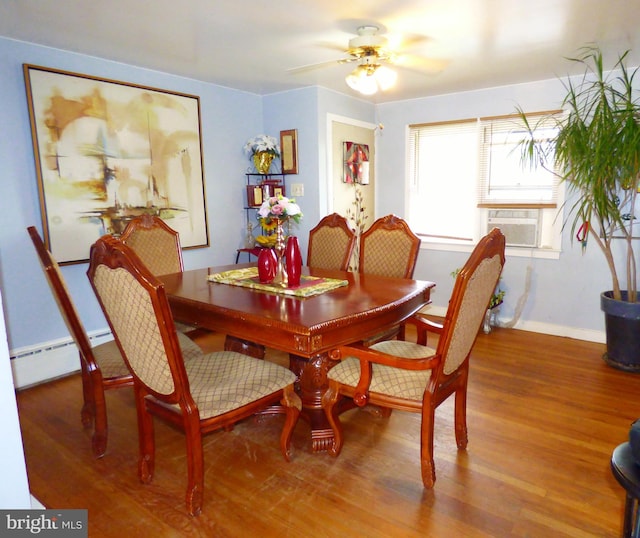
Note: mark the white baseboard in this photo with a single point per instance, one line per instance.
(36, 364)
(561, 330)
(538, 327)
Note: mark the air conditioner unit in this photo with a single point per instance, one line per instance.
(519, 226)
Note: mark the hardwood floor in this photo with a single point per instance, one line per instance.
(544, 414)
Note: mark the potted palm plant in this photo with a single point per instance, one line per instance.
(597, 151)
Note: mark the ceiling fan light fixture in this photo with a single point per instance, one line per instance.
(385, 77)
(367, 79)
(362, 81)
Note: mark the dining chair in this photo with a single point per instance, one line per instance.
(196, 396)
(389, 248)
(158, 246)
(331, 243)
(102, 367)
(155, 243)
(410, 376)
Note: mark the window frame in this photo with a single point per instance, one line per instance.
(550, 238)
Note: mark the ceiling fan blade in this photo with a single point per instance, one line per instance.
(370, 48)
(331, 46)
(420, 63)
(311, 67)
(404, 41)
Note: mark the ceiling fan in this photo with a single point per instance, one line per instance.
(369, 50)
(372, 53)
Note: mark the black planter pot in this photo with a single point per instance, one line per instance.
(622, 325)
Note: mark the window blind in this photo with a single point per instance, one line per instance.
(504, 180)
(440, 170)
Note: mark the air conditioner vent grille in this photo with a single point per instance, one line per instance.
(519, 226)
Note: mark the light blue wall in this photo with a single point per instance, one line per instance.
(562, 292)
(298, 109)
(228, 117)
(306, 110)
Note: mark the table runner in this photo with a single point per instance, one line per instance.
(248, 278)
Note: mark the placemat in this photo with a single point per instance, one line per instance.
(247, 277)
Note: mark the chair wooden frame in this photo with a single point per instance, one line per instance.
(447, 366)
(94, 408)
(170, 398)
(370, 258)
(330, 226)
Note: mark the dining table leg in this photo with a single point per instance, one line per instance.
(311, 385)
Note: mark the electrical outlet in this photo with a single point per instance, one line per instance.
(297, 189)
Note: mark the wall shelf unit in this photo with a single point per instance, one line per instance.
(259, 187)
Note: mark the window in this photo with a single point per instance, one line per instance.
(466, 177)
(503, 178)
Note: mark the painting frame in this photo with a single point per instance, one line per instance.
(106, 151)
(289, 151)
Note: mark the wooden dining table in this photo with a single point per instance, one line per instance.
(307, 328)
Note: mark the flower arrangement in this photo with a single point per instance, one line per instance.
(279, 208)
(273, 211)
(264, 143)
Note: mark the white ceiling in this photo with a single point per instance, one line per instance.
(251, 44)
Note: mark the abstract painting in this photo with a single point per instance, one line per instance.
(107, 151)
(356, 163)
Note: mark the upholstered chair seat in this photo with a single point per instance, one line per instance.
(226, 380)
(387, 380)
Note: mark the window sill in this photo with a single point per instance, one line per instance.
(515, 252)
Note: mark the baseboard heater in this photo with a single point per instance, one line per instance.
(32, 365)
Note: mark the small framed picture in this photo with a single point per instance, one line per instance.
(254, 195)
(289, 151)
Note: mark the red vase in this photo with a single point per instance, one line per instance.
(294, 261)
(267, 264)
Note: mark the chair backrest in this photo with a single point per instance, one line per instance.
(389, 248)
(63, 298)
(155, 243)
(472, 291)
(331, 243)
(136, 307)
